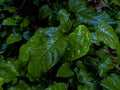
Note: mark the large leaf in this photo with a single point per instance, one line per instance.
(107, 34)
(65, 71)
(79, 43)
(90, 17)
(57, 86)
(112, 82)
(43, 50)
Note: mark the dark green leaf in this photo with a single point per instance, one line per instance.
(9, 22)
(65, 22)
(57, 86)
(107, 34)
(75, 5)
(44, 12)
(25, 22)
(8, 71)
(20, 86)
(12, 38)
(90, 17)
(11, 9)
(105, 64)
(65, 71)
(82, 75)
(89, 86)
(112, 82)
(43, 50)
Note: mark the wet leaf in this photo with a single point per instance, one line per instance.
(79, 43)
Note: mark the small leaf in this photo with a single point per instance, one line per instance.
(65, 22)
(57, 86)
(105, 64)
(11, 9)
(25, 22)
(65, 71)
(112, 82)
(21, 85)
(89, 86)
(44, 12)
(75, 5)
(79, 43)
(8, 71)
(12, 38)
(9, 22)
(82, 75)
(116, 2)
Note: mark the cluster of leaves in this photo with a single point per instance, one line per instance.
(59, 45)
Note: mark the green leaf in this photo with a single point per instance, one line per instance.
(57, 86)
(44, 12)
(65, 71)
(90, 17)
(82, 75)
(105, 64)
(9, 22)
(43, 50)
(8, 71)
(79, 43)
(116, 2)
(21, 85)
(89, 86)
(1, 81)
(25, 22)
(13, 37)
(75, 5)
(112, 82)
(65, 22)
(11, 9)
(107, 35)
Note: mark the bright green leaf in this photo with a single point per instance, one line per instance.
(79, 43)
(116, 2)
(65, 71)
